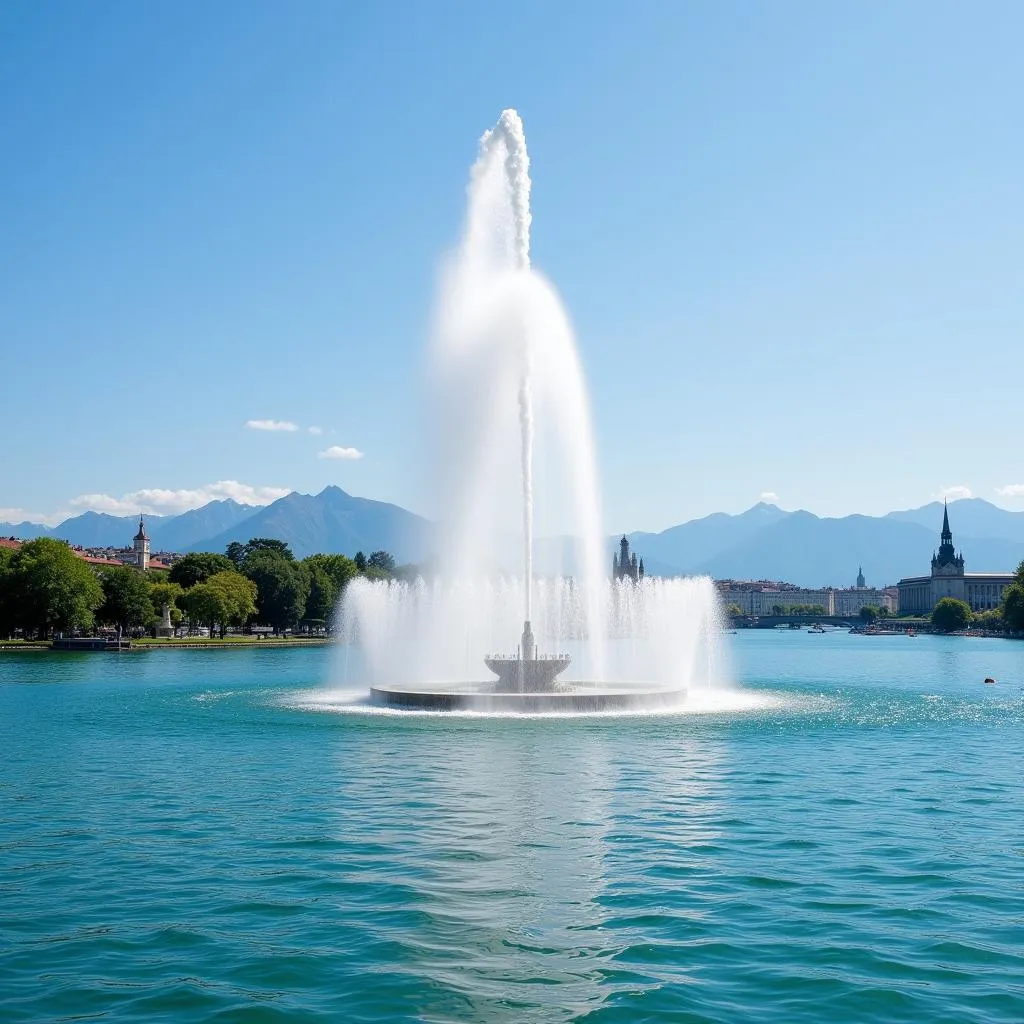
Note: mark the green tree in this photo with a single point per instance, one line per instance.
(734, 611)
(51, 588)
(777, 609)
(360, 560)
(382, 560)
(1013, 603)
(951, 614)
(241, 553)
(884, 612)
(991, 619)
(126, 598)
(328, 577)
(198, 567)
(6, 603)
(869, 613)
(163, 594)
(237, 595)
(226, 599)
(282, 588)
(340, 569)
(1013, 607)
(202, 606)
(322, 594)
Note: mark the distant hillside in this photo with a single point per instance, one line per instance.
(767, 543)
(166, 533)
(331, 521)
(764, 542)
(102, 530)
(24, 531)
(179, 533)
(973, 517)
(683, 548)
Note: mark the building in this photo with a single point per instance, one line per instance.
(140, 548)
(625, 565)
(137, 556)
(848, 602)
(766, 597)
(981, 590)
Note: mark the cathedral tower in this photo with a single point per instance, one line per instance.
(946, 562)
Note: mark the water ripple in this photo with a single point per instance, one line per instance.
(206, 844)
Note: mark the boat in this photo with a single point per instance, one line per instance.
(817, 628)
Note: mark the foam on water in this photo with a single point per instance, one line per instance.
(724, 702)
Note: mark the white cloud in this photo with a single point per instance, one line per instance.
(337, 452)
(317, 431)
(161, 501)
(955, 492)
(23, 515)
(1011, 491)
(770, 496)
(271, 425)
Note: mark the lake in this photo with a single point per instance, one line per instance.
(190, 835)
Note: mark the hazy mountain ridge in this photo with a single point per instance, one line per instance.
(764, 542)
(166, 533)
(812, 551)
(332, 521)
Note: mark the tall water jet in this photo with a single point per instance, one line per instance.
(509, 139)
(514, 458)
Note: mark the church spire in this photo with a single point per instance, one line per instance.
(946, 562)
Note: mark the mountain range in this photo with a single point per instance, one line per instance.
(331, 521)
(765, 542)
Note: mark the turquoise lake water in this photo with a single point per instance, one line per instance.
(186, 836)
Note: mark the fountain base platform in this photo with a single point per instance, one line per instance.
(569, 698)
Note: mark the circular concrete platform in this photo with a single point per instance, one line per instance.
(570, 698)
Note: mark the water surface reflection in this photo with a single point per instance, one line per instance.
(516, 855)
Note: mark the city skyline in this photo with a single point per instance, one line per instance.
(785, 238)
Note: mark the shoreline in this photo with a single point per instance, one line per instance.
(166, 645)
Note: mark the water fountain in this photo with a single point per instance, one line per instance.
(515, 443)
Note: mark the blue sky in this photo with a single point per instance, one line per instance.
(788, 235)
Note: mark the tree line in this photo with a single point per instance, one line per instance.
(45, 588)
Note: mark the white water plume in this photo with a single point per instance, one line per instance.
(666, 634)
(506, 372)
(515, 455)
(507, 142)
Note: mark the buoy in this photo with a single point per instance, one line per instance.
(989, 681)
